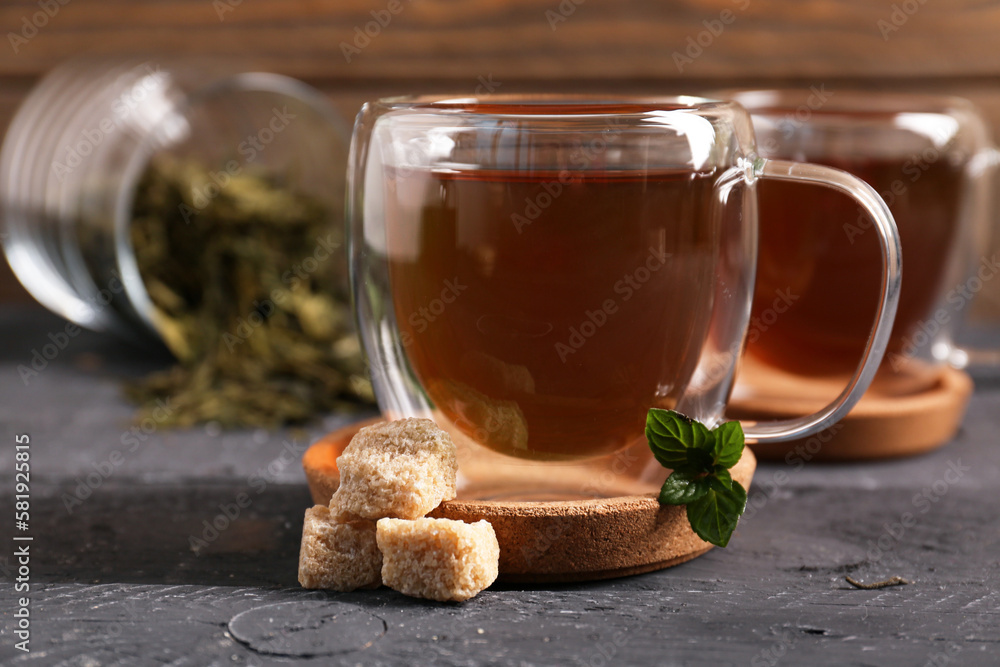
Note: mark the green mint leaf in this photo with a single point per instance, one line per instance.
(700, 460)
(682, 488)
(678, 442)
(714, 516)
(723, 476)
(728, 445)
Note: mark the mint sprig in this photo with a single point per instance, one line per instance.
(700, 460)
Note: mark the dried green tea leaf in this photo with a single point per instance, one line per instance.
(250, 294)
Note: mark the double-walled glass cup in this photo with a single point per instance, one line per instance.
(928, 157)
(535, 273)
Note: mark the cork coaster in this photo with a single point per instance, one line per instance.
(884, 424)
(557, 541)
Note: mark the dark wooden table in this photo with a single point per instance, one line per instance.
(116, 577)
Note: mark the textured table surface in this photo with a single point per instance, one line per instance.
(115, 579)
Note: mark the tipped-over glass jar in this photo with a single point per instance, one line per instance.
(84, 139)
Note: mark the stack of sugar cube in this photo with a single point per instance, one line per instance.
(373, 532)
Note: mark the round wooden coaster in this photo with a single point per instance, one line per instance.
(884, 424)
(558, 541)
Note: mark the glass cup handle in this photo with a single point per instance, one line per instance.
(792, 429)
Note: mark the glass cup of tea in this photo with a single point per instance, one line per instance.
(536, 273)
(927, 157)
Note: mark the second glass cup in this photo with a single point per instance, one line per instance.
(535, 273)
(927, 155)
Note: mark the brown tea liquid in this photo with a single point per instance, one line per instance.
(543, 315)
(820, 254)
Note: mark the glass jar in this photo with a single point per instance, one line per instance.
(84, 137)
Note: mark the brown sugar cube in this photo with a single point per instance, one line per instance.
(400, 469)
(338, 555)
(438, 559)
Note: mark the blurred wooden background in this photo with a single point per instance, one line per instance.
(457, 46)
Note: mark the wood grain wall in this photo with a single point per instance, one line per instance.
(589, 39)
(455, 45)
